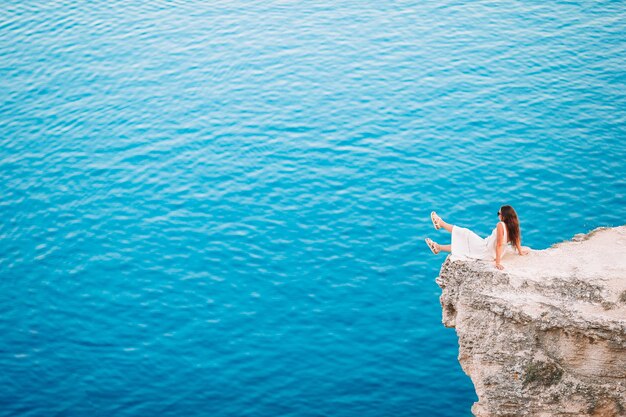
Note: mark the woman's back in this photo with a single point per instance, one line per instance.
(492, 239)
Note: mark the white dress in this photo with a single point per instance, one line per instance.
(467, 244)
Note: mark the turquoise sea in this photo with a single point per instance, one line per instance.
(218, 208)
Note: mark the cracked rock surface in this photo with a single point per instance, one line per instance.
(547, 335)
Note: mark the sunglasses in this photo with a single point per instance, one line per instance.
(498, 213)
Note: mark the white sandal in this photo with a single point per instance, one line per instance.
(433, 246)
(435, 219)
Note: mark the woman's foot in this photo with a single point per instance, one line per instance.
(436, 220)
(434, 247)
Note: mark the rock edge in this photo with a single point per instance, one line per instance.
(546, 336)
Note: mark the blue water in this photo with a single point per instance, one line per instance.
(218, 208)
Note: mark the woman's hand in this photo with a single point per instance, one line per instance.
(499, 266)
(523, 251)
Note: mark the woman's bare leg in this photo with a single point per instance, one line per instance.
(441, 248)
(445, 225)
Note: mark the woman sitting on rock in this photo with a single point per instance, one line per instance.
(467, 244)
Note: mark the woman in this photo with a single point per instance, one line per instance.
(467, 244)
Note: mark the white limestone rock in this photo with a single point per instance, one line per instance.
(547, 335)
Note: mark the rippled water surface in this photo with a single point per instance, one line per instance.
(218, 208)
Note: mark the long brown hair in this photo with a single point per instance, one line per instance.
(509, 217)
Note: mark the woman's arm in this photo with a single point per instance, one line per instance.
(499, 245)
(520, 250)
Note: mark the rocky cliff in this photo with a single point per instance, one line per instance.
(547, 335)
